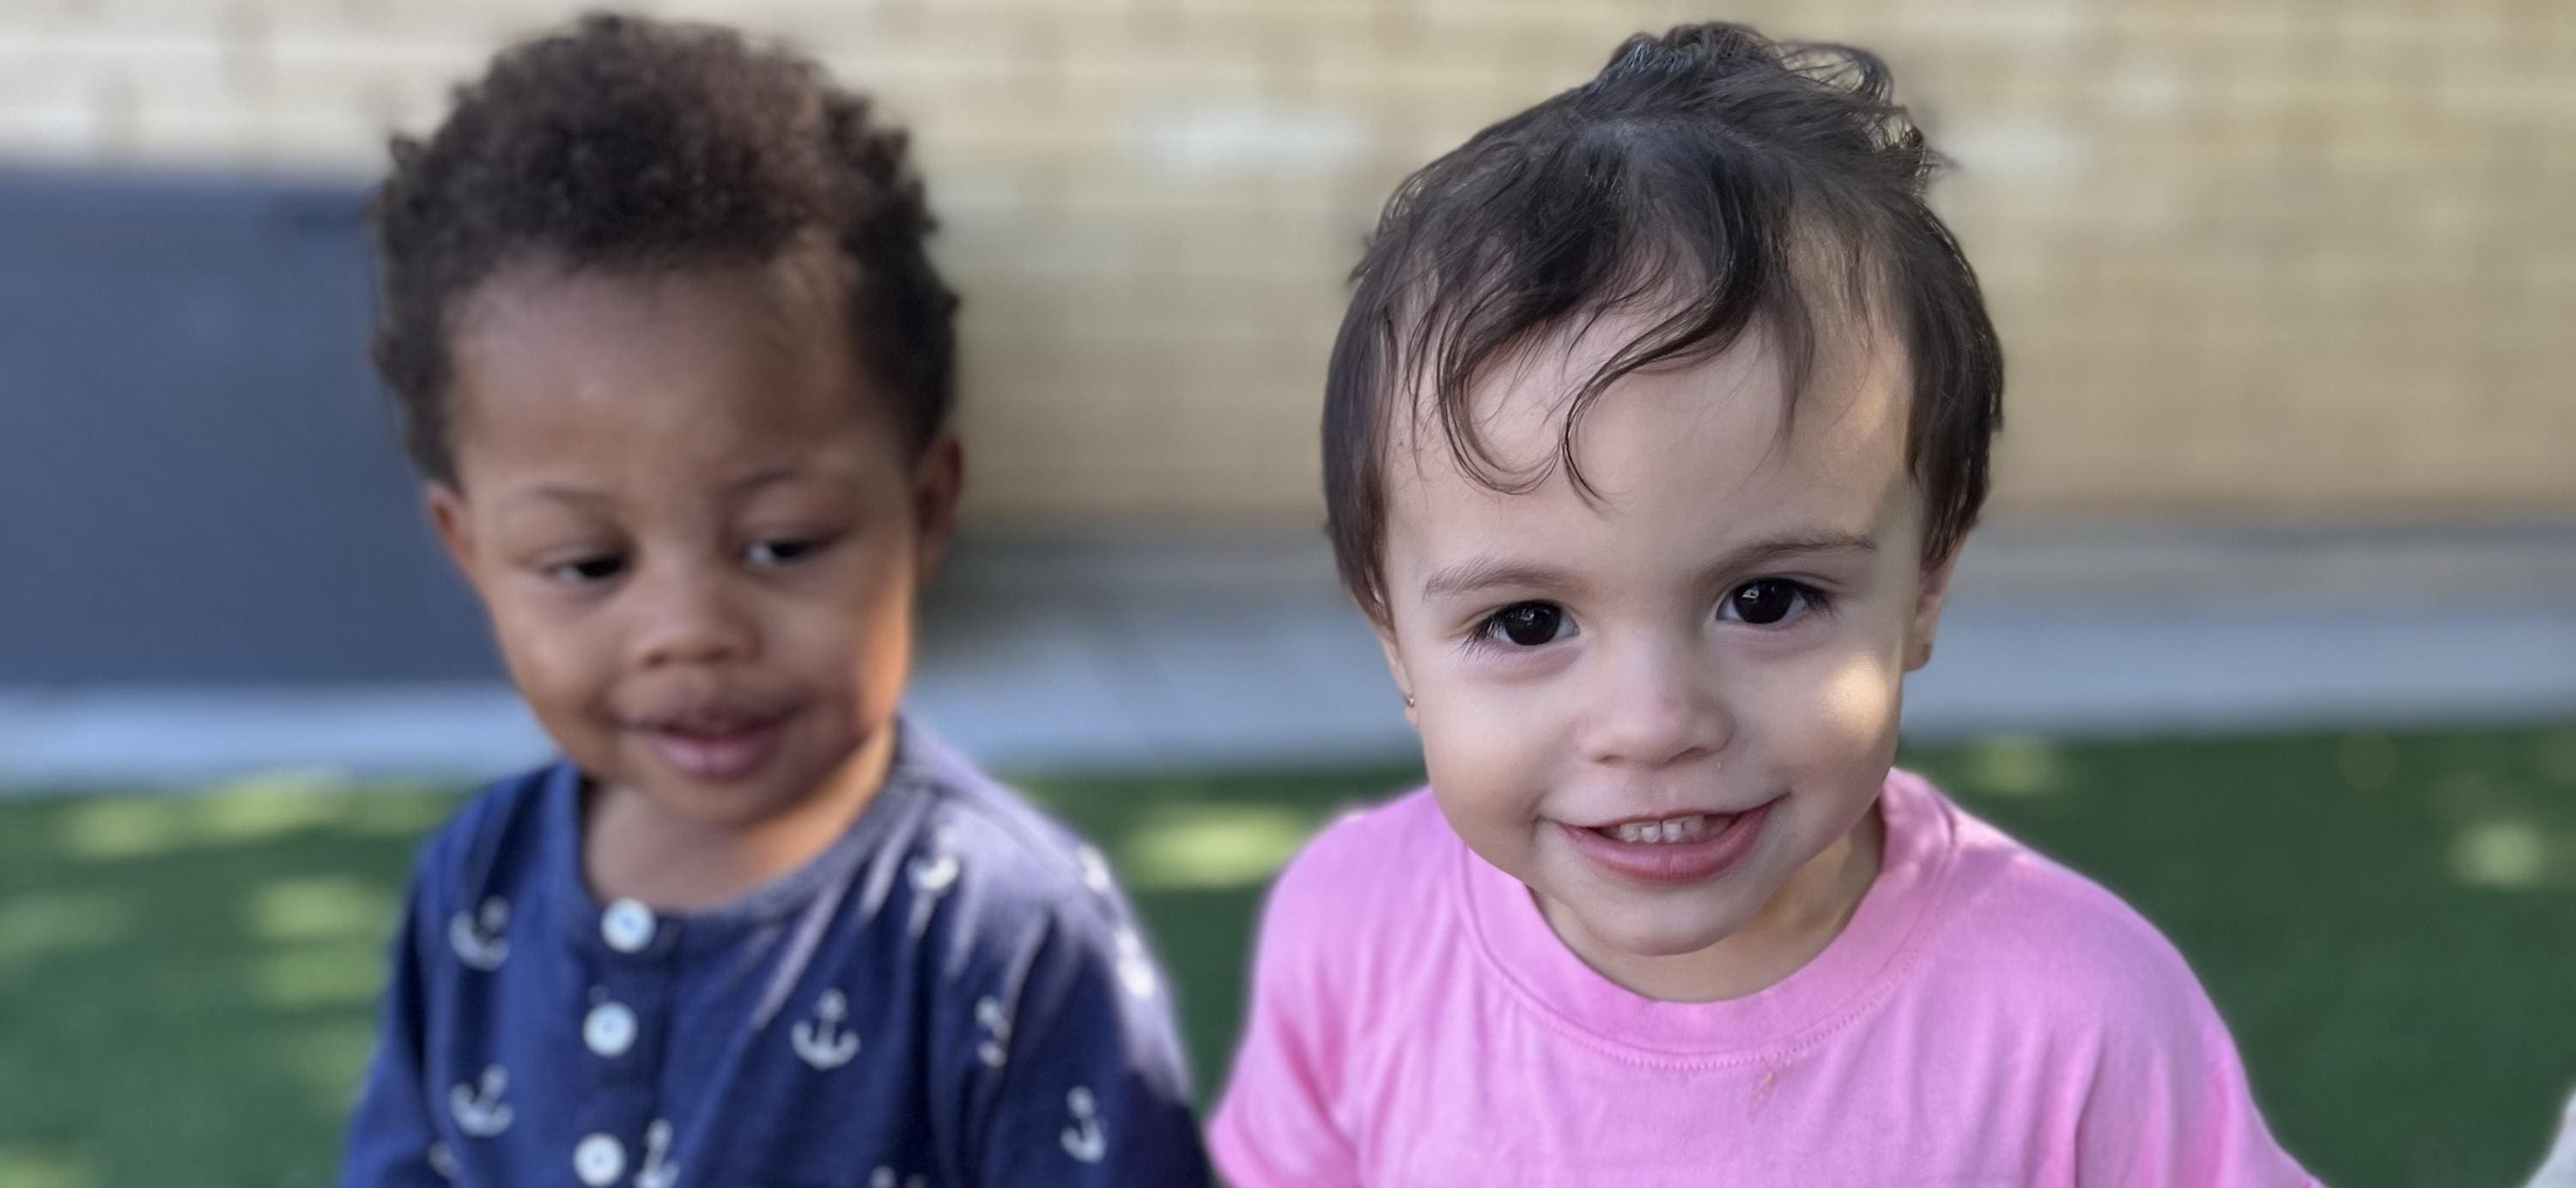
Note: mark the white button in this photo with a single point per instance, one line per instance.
(609, 1029)
(627, 925)
(599, 1160)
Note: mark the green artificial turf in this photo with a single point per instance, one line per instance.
(2388, 924)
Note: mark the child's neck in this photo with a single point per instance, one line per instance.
(633, 848)
(1790, 931)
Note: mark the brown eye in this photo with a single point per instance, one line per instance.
(589, 571)
(1527, 624)
(785, 551)
(1767, 602)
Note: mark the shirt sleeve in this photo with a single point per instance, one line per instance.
(2170, 1104)
(1277, 1125)
(391, 1140)
(1093, 1090)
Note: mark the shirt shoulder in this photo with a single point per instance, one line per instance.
(494, 843)
(1061, 1021)
(1002, 886)
(1013, 858)
(2032, 932)
(1328, 906)
(2108, 1004)
(1358, 853)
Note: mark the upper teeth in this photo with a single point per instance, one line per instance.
(1670, 829)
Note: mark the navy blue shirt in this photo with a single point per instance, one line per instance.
(953, 994)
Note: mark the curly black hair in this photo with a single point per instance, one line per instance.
(1711, 178)
(627, 143)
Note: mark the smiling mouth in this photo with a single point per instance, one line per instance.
(1681, 849)
(1690, 827)
(717, 746)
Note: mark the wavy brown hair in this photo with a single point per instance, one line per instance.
(1711, 179)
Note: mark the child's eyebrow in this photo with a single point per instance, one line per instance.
(766, 476)
(1484, 573)
(557, 493)
(1774, 550)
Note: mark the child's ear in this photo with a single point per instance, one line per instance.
(937, 484)
(1395, 667)
(447, 516)
(1928, 601)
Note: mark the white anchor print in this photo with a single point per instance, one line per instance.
(481, 940)
(1083, 1140)
(1133, 968)
(931, 878)
(482, 1114)
(658, 1170)
(820, 1041)
(443, 1161)
(1095, 869)
(883, 1177)
(995, 1048)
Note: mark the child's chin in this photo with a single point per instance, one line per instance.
(1666, 936)
(1665, 924)
(729, 803)
(720, 806)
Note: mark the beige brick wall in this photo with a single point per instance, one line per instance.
(2251, 259)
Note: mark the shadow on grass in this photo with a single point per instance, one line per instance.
(189, 984)
(2388, 924)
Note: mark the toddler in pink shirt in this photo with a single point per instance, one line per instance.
(1654, 427)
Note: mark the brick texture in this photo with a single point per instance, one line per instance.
(2272, 258)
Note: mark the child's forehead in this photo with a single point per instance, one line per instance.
(702, 363)
(786, 299)
(1744, 410)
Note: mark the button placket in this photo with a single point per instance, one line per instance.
(623, 1024)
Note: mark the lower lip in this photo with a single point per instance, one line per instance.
(1671, 863)
(720, 758)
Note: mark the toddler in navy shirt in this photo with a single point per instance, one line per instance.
(676, 370)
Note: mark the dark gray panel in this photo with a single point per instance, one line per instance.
(199, 479)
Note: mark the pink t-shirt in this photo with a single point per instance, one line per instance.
(1987, 1018)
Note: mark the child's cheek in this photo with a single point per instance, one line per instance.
(1490, 753)
(557, 666)
(1840, 730)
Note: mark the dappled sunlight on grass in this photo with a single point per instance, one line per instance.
(38, 924)
(242, 811)
(303, 977)
(1212, 845)
(267, 807)
(2014, 765)
(35, 1167)
(2513, 855)
(121, 829)
(322, 908)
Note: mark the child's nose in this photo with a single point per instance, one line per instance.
(692, 618)
(1654, 708)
